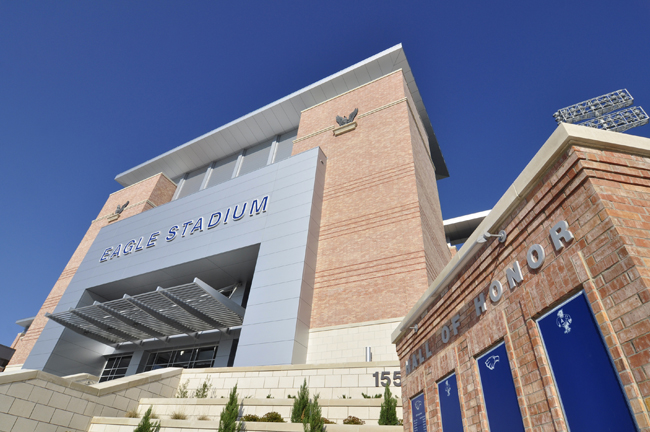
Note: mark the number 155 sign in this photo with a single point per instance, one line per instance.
(385, 378)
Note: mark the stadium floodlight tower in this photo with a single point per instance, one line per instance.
(597, 110)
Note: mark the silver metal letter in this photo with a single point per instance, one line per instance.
(455, 323)
(514, 275)
(560, 230)
(530, 257)
(427, 351)
(496, 291)
(445, 334)
(479, 304)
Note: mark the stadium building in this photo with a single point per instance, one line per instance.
(304, 242)
(262, 242)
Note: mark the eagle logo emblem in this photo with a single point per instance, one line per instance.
(120, 208)
(447, 388)
(491, 362)
(563, 321)
(349, 119)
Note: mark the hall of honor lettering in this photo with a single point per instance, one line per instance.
(535, 258)
(189, 227)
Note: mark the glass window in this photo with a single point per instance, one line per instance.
(256, 157)
(189, 358)
(222, 170)
(115, 368)
(285, 145)
(192, 182)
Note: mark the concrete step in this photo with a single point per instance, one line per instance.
(109, 424)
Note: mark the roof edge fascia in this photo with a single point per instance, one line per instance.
(262, 109)
(560, 140)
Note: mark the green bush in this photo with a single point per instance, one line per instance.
(179, 415)
(313, 420)
(250, 418)
(388, 412)
(145, 424)
(327, 421)
(300, 403)
(353, 421)
(203, 390)
(228, 421)
(272, 417)
(366, 396)
(182, 390)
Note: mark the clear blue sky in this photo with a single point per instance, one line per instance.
(90, 89)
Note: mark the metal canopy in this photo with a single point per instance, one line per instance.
(190, 308)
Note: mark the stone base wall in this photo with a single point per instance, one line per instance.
(37, 401)
(344, 344)
(331, 381)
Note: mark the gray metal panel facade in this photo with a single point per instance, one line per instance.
(276, 323)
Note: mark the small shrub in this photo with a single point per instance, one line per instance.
(313, 421)
(203, 417)
(272, 417)
(203, 390)
(250, 418)
(353, 421)
(366, 396)
(327, 421)
(145, 424)
(182, 390)
(388, 412)
(401, 422)
(344, 397)
(300, 403)
(179, 415)
(228, 420)
(132, 413)
(268, 396)
(290, 397)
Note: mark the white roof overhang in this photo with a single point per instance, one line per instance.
(283, 116)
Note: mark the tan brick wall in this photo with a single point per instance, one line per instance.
(142, 196)
(376, 252)
(603, 196)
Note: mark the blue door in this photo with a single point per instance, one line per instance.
(452, 419)
(499, 392)
(419, 413)
(590, 392)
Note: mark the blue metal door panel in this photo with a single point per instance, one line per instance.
(419, 413)
(501, 403)
(452, 419)
(591, 394)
